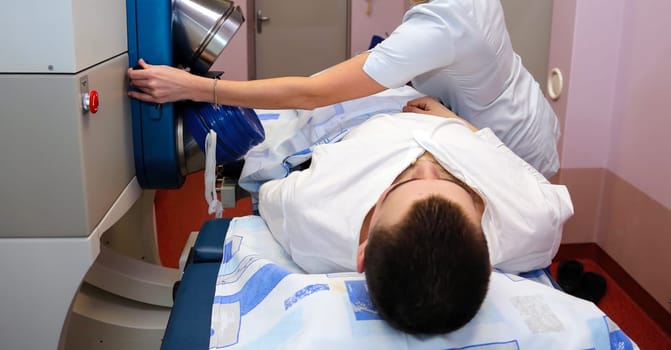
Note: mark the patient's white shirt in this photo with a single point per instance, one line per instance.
(316, 214)
(459, 52)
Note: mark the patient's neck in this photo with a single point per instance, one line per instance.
(426, 156)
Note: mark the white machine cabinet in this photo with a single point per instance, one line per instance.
(67, 173)
(60, 36)
(63, 167)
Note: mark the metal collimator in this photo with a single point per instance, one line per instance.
(201, 31)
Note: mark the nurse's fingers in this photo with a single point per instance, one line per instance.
(142, 96)
(142, 83)
(142, 70)
(143, 64)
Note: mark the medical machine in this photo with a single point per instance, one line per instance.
(77, 154)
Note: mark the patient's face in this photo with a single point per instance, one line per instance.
(424, 178)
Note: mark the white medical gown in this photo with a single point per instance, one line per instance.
(316, 214)
(459, 52)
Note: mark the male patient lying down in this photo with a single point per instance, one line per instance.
(426, 205)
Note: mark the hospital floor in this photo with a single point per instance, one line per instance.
(624, 310)
(180, 212)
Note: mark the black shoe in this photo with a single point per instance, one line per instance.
(592, 287)
(569, 275)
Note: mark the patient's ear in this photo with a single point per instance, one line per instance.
(361, 256)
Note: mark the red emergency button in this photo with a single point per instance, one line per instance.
(93, 101)
(90, 101)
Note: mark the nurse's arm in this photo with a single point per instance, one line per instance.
(342, 82)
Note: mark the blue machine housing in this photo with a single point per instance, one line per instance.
(154, 133)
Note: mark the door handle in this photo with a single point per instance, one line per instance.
(260, 18)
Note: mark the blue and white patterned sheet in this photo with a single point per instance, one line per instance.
(264, 301)
(291, 134)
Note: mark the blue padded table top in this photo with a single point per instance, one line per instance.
(191, 316)
(209, 246)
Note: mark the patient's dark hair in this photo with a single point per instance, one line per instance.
(429, 273)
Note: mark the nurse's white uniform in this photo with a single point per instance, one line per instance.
(459, 51)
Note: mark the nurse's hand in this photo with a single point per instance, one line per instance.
(160, 84)
(429, 105)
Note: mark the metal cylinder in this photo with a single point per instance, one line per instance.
(191, 157)
(201, 31)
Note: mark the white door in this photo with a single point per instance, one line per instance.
(299, 37)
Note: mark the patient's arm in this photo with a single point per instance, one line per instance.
(431, 106)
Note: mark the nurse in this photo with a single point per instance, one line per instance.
(457, 51)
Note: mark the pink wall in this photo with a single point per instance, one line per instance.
(640, 142)
(614, 54)
(616, 78)
(384, 16)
